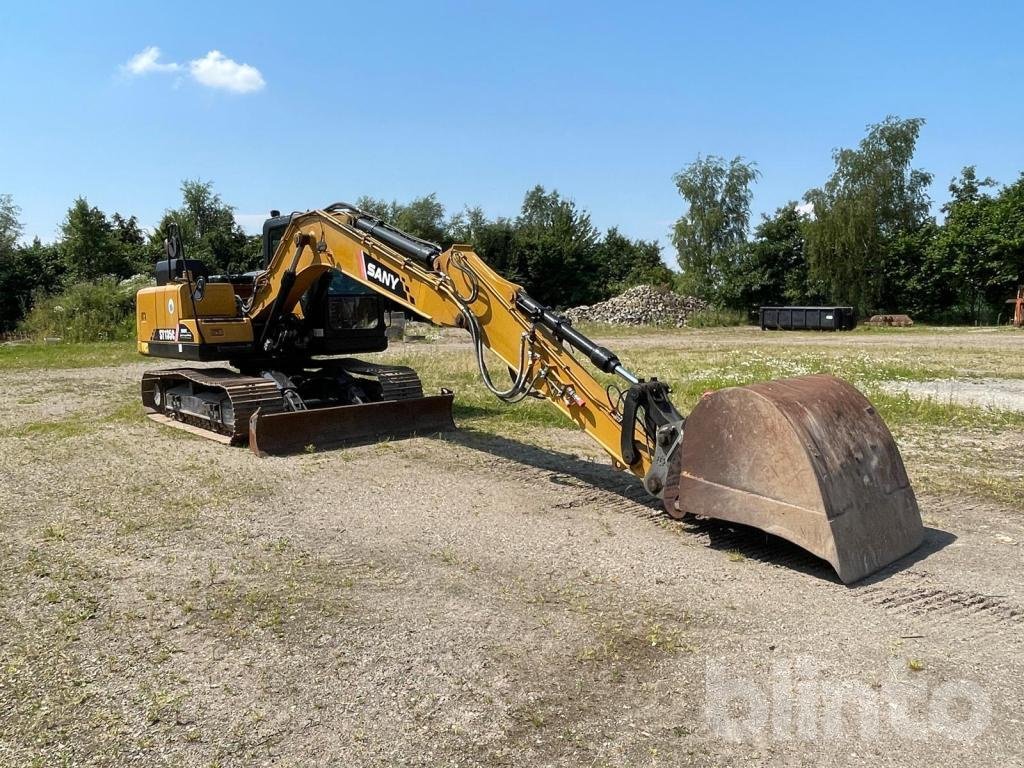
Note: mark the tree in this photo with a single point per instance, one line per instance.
(379, 208)
(494, 241)
(208, 231)
(556, 250)
(624, 263)
(10, 230)
(772, 268)
(421, 217)
(41, 268)
(10, 226)
(132, 241)
(873, 199)
(708, 235)
(1009, 242)
(976, 259)
(24, 270)
(89, 247)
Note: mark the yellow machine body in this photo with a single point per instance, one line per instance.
(171, 315)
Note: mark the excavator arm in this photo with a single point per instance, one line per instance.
(455, 288)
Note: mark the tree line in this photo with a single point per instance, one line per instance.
(552, 247)
(866, 237)
(93, 248)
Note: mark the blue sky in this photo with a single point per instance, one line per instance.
(293, 106)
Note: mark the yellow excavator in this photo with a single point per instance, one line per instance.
(807, 459)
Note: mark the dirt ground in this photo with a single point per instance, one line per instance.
(1007, 394)
(462, 600)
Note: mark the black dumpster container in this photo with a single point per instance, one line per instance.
(808, 318)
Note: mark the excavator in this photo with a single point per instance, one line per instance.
(806, 459)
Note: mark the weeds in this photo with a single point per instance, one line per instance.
(99, 311)
(717, 318)
(75, 425)
(15, 357)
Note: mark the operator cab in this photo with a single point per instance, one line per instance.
(341, 315)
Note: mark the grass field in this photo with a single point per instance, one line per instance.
(498, 597)
(696, 361)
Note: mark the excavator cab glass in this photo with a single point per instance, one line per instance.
(344, 316)
(351, 305)
(273, 231)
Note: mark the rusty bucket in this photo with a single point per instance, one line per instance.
(807, 459)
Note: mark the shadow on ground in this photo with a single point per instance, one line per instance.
(743, 541)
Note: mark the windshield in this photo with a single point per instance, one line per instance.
(343, 285)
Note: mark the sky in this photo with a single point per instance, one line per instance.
(298, 106)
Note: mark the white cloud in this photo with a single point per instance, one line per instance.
(215, 70)
(148, 60)
(806, 209)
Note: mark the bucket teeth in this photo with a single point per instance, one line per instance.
(807, 459)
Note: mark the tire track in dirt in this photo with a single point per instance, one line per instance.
(968, 614)
(900, 591)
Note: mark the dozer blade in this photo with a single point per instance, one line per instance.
(325, 428)
(807, 459)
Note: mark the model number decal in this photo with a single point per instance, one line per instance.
(181, 333)
(377, 273)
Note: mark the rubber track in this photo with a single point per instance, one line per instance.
(247, 393)
(398, 382)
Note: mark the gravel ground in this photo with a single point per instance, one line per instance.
(472, 600)
(1006, 394)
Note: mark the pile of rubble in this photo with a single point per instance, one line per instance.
(898, 321)
(640, 305)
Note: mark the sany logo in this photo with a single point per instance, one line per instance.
(379, 274)
(376, 272)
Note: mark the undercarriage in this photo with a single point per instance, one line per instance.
(277, 410)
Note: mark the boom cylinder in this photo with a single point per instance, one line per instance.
(411, 247)
(603, 358)
(424, 253)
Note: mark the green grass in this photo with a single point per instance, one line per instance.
(26, 356)
(902, 410)
(696, 361)
(713, 362)
(124, 408)
(60, 429)
(475, 406)
(692, 361)
(925, 328)
(717, 318)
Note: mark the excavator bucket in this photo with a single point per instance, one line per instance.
(276, 434)
(807, 459)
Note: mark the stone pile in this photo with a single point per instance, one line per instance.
(899, 321)
(640, 305)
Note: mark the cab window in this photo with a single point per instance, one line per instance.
(351, 305)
